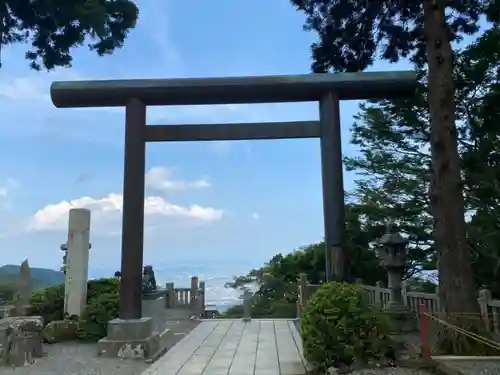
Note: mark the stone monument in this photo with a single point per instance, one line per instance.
(23, 292)
(77, 261)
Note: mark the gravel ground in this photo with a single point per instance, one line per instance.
(76, 359)
(475, 367)
(392, 371)
(81, 359)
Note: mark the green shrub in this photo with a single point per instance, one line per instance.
(102, 294)
(102, 286)
(8, 290)
(48, 303)
(93, 323)
(339, 326)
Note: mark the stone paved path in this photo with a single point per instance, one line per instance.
(477, 367)
(233, 347)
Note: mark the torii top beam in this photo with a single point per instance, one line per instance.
(234, 90)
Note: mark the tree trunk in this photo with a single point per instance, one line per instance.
(457, 291)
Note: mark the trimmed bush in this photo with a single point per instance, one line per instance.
(339, 327)
(102, 306)
(102, 286)
(93, 323)
(48, 303)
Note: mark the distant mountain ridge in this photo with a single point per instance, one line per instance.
(41, 277)
(215, 277)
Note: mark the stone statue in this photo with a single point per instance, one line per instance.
(148, 280)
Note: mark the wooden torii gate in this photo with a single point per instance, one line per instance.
(136, 95)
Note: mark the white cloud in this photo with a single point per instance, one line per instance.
(106, 211)
(159, 179)
(255, 216)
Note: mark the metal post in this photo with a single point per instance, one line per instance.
(133, 211)
(333, 188)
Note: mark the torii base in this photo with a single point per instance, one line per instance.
(130, 338)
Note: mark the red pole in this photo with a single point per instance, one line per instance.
(424, 331)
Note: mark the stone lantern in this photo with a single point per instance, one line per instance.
(393, 258)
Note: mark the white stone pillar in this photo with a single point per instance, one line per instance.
(77, 261)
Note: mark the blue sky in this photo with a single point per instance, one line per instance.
(232, 204)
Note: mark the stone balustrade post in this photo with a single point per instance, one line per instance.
(379, 299)
(201, 292)
(194, 292)
(485, 297)
(170, 300)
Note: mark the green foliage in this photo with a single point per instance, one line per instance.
(95, 288)
(49, 303)
(276, 281)
(339, 326)
(352, 34)
(394, 164)
(54, 27)
(7, 290)
(102, 306)
(234, 312)
(96, 315)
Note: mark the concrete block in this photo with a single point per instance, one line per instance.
(130, 338)
(131, 349)
(21, 351)
(130, 329)
(155, 309)
(4, 345)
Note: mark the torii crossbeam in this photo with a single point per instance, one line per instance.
(136, 95)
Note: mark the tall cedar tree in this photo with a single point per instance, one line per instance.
(351, 34)
(395, 162)
(54, 27)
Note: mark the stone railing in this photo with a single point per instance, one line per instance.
(378, 294)
(192, 297)
(173, 302)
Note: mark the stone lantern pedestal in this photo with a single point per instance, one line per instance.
(393, 258)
